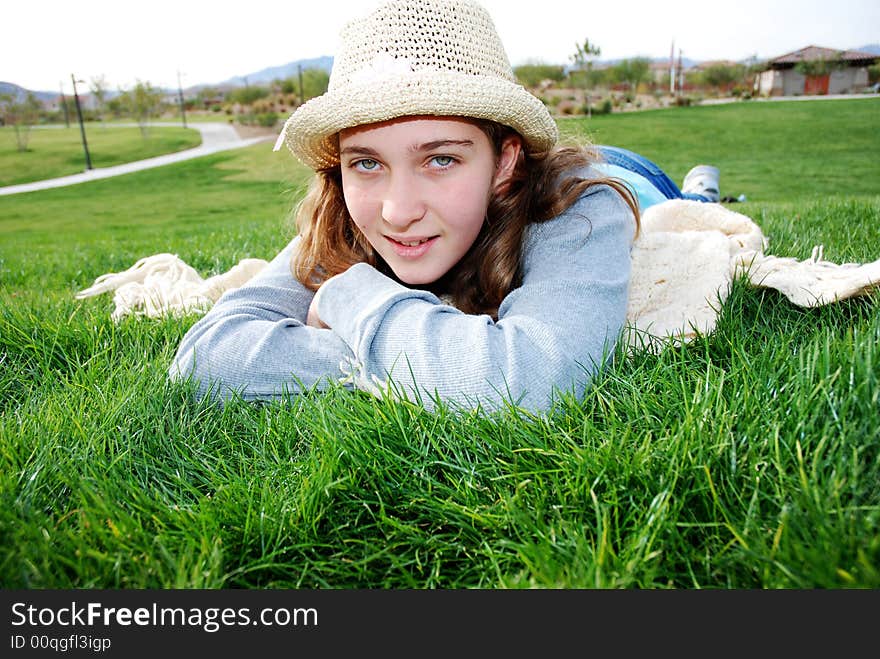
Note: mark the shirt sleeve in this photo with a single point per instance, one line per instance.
(254, 342)
(552, 334)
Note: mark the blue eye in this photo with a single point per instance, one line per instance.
(443, 161)
(367, 164)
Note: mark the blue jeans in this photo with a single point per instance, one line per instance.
(633, 162)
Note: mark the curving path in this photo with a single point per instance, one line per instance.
(215, 137)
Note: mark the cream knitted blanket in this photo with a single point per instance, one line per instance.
(684, 261)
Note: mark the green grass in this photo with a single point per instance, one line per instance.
(770, 151)
(747, 459)
(58, 151)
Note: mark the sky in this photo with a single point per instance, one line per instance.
(193, 42)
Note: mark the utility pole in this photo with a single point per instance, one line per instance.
(82, 128)
(180, 94)
(680, 74)
(302, 98)
(64, 106)
(672, 69)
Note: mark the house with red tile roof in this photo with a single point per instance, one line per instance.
(816, 70)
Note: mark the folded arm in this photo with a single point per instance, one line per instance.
(553, 332)
(254, 342)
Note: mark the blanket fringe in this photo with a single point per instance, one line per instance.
(683, 263)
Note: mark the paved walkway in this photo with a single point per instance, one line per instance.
(215, 137)
(764, 99)
(222, 137)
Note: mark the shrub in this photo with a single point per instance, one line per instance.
(568, 107)
(267, 119)
(819, 67)
(532, 75)
(247, 95)
(604, 107)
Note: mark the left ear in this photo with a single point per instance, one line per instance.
(511, 148)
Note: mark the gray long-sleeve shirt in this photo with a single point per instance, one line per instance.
(552, 334)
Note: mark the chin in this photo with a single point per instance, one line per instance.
(415, 279)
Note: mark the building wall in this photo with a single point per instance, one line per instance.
(848, 80)
(791, 83)
(770, 83)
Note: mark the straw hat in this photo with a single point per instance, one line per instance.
(416, 57)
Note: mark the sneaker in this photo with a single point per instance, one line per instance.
(702, 180)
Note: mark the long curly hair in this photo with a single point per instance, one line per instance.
(537, 191)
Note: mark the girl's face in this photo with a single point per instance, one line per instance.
(418, 189)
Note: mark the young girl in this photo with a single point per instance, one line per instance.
(448, 249)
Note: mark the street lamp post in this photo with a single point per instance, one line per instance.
(64, 106)
(182, 105)
(82, 128)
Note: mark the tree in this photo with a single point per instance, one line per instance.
(98, 87)
(314, 82)
(631, 72)
(722, 76)
(308, 84)
(533, 74)
(820, 66)
(118, 106)
(582, 63)
(207, 97)
(21, 113)
(247, 95)
(288, 86)
(144, 102)
(584, 55)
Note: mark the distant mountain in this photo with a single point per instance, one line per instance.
(263, 76)
(289, 70)
(873, 48)
(20, 92)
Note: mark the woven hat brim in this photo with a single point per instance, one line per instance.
(310, 131)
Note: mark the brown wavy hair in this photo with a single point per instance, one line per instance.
(538, 190)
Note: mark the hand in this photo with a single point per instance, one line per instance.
(312, 319)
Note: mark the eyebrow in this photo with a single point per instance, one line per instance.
(439, 144)
(359, 151)
(417, 148)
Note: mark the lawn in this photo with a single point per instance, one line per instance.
(747, 459)
(58, 150)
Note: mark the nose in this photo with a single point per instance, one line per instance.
(402, 203)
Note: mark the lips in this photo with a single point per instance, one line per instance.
(411, 248)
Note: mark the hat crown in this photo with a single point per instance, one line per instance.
(415, 58)
(412, 36)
